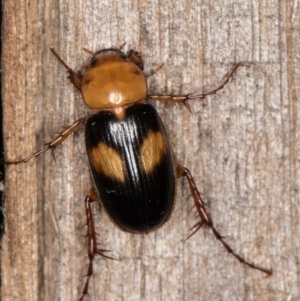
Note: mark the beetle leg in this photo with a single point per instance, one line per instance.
(92, 240)
(74, 77)
(205, 219)
(52, 144)
(185, 98)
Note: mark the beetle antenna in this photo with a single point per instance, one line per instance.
(60, 59)
(120, 48)
(88, 51)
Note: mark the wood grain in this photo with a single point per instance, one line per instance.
(242, 146)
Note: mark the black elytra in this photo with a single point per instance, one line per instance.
(143, 199)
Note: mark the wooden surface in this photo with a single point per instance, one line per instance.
(241, 145)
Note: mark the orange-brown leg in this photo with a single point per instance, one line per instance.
(74, 77)
(185, 98)
(205, 219)
(52, 144)
(92, 240)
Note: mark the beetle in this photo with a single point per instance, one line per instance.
(131, 161)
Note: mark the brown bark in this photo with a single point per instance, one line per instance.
(242, 147)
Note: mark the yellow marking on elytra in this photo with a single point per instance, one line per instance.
(107, 161)
(153, 149)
